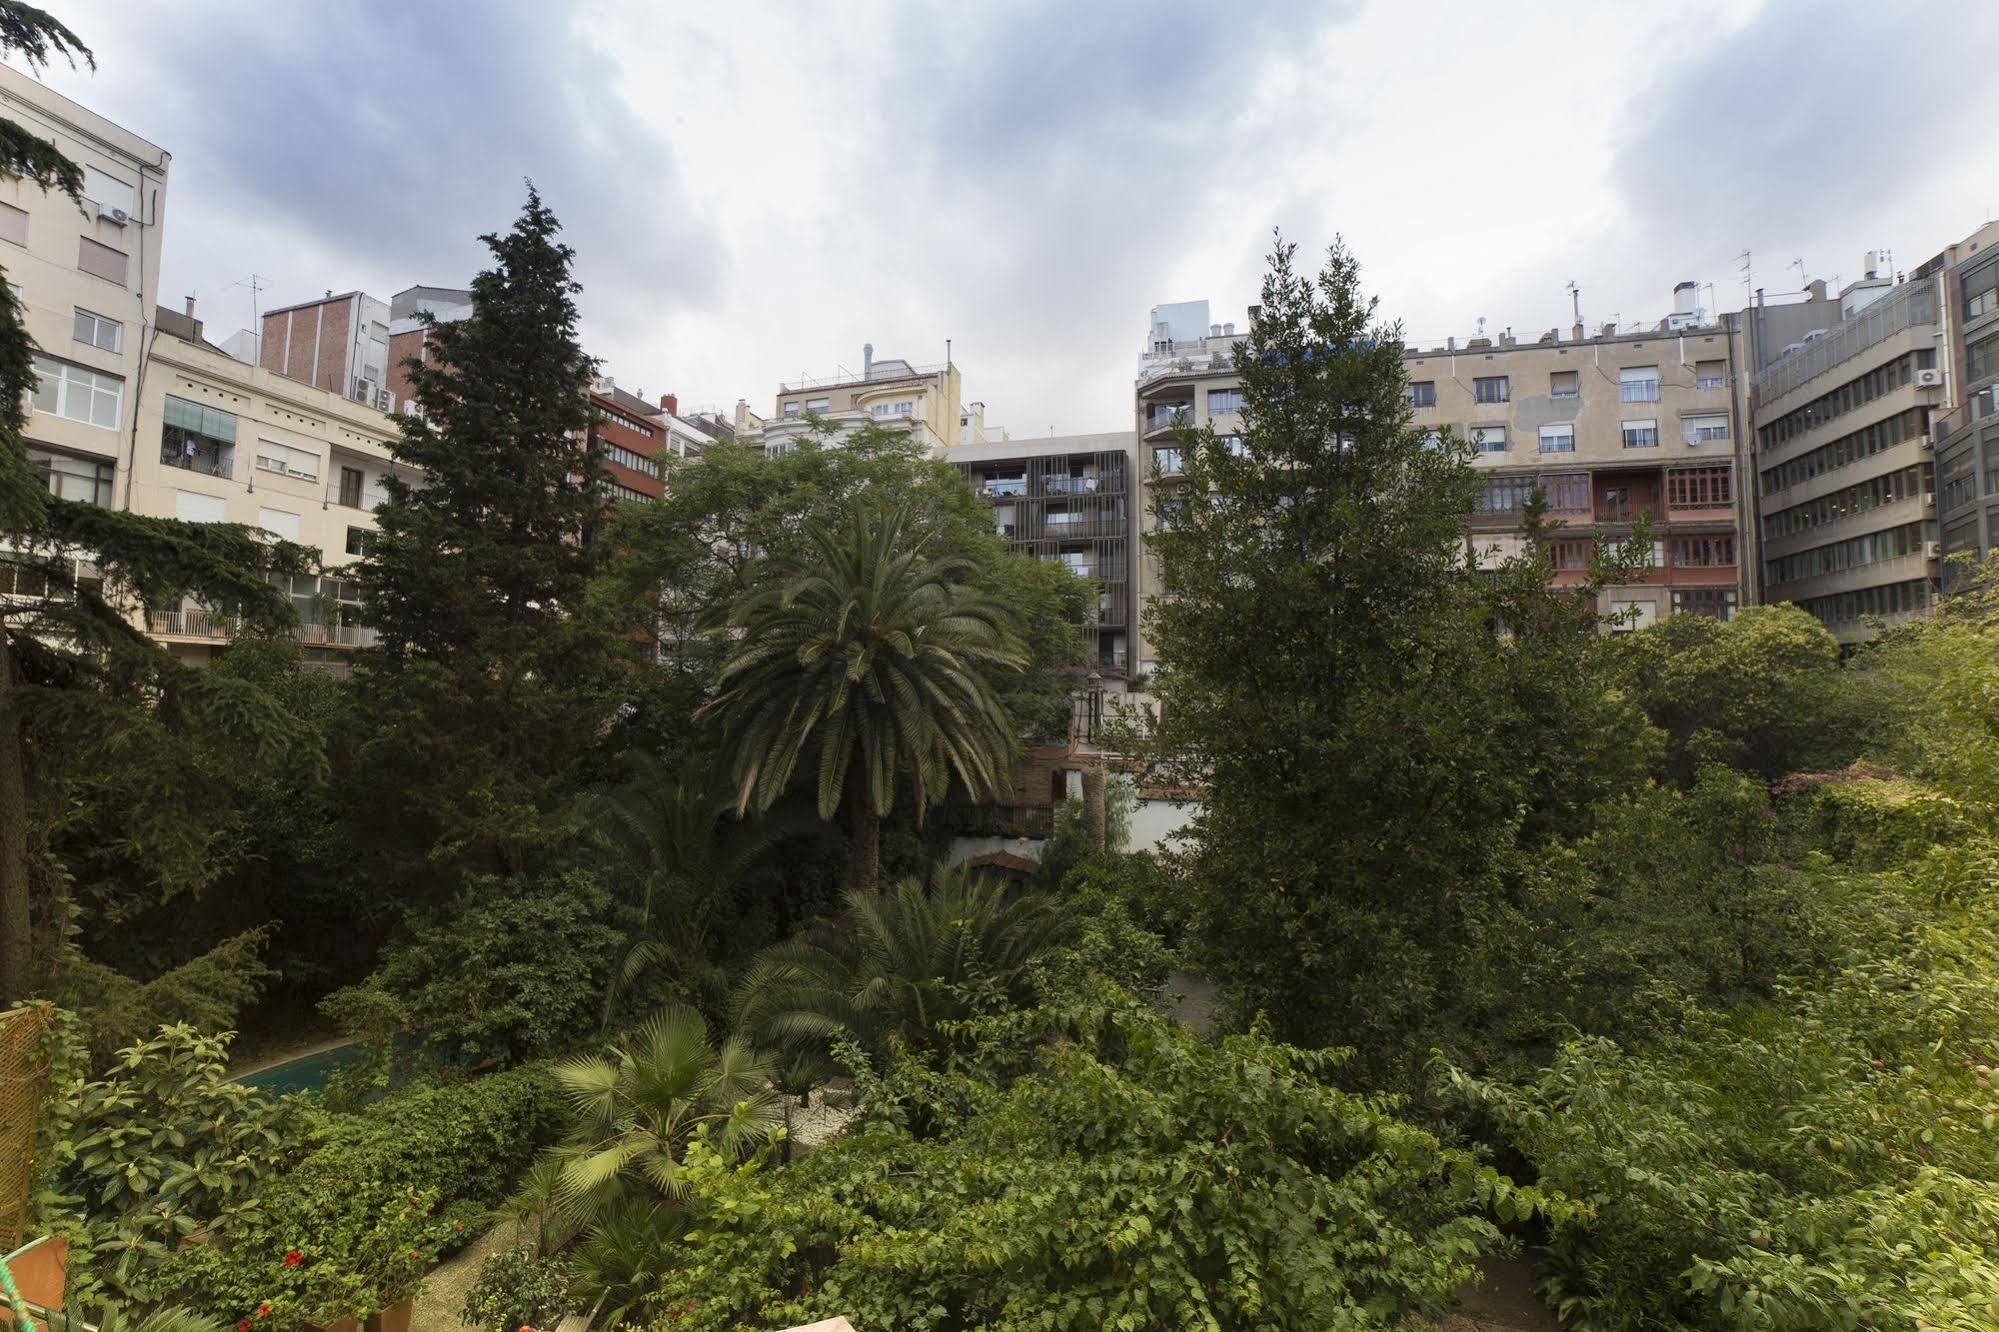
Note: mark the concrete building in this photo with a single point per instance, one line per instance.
(221, 441)
(88, 279)
(1069, 499)
(1840, 417)
(339, 343)
(926, 400)
(1967, 431)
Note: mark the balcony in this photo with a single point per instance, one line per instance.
(1012, 487)
(193, 457)
(1070, 485)
(1161, 422)
(210, 627)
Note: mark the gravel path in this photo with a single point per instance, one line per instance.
(445, 1289)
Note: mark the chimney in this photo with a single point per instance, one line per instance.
(1870, 263)
(1214, 330)
(867, 360)
(1576, 331)
(1683, 297)
(742, 413)
(1228, 330)
(1815, 289)
(669, 403)
(190, 307)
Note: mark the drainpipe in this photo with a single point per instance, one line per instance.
(147, 333)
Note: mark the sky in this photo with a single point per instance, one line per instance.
(755, 190)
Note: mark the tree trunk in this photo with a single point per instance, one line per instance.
(1093, 805)
(865, 830)
(16, 939)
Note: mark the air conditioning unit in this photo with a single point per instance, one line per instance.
(385, 401)
(1933, 550)
(117, 216)
(1931, 378)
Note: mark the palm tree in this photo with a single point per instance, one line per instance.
(635, 1106)
(684, 859)
(899, 964)
(879, 655)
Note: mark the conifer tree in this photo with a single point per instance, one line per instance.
(493, 674)
(84, 693)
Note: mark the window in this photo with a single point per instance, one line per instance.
(1698, 488)
(616, 491)
(193, 507)
(1710, 375)
(1505, 494)
(78, 393)
(104, 334)
(107, 190)
(1492, 389)
(818, 404)
(1558, 439)
(1161, 417)
(1568, 492)
(1641, 434)
(279, 523)
(101, 260)
(284, 460)
(1569, 555)
(360, 540)
(1704, 429)
(1852, 395)
(1981, 292)
(1233, 445)
(1847, 449)
(1638, 383)
(13, 224)
(1704, 552)
(1224, 400)
(1565, 384)
(1981, 359)
(72, 478)
(1488, 439)
(625, 457)
(352, 479)
(197, 437)
(1854, 552)
(791, 410)
(1168, 461)
(1718, 602)
(904, 408)
(1423, 393)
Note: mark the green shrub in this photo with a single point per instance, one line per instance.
(515, 1289)
(383, 1196)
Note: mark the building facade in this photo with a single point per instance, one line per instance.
(926, 400)
(632, 441)
(87, 278)
(1967, 433)
(338, 343)
(1069, 499)
(221, 441)
(1845, 511)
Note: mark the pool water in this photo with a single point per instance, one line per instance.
(307, 1073)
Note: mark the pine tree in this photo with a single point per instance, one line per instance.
(84, 694)
(494, 674)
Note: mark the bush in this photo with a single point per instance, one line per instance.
(515, 1289)
(389, 1191)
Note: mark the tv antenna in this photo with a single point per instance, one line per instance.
(1748, 277)
(257, 283)
(1575, 300)
(1799, 264)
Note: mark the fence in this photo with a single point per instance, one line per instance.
(1911, 303)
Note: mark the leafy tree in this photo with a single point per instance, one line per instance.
(1762, 691)
(636, 1107)
(1093, 1165)
(899, 965)
(879, 658)
(495, 674)
(1409, 716)
(87, 701)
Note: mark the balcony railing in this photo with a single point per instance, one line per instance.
(1911, 303)
(1010, 488)
(207, 624)
(1156, 420)
(1070, 485)
(204, 461)
(1638, 390)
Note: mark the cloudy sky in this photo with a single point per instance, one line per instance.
(754, 190)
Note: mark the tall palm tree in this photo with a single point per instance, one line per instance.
(684, 859)
(899, 964)
(877, 653)
(635, 1106)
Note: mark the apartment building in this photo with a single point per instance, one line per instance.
(1186, 375)
(632, 440)
(339, 343)
(87, 278)
(1621, 429)
(926, 400)
(1967, 432)
(1845, 505)
(222, 441)
(1067, 499)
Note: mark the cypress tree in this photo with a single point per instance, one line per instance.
(493, 674)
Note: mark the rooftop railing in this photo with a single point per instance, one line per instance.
(1911, 303)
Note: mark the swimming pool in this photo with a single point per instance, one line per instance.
(307, 1073)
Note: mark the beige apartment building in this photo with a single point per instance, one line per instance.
(926, 400)
(222, 441)
(86, 278)
(1616, 428)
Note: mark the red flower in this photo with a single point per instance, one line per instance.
(263, 1309)
(293, 1257)
(243, 1325)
